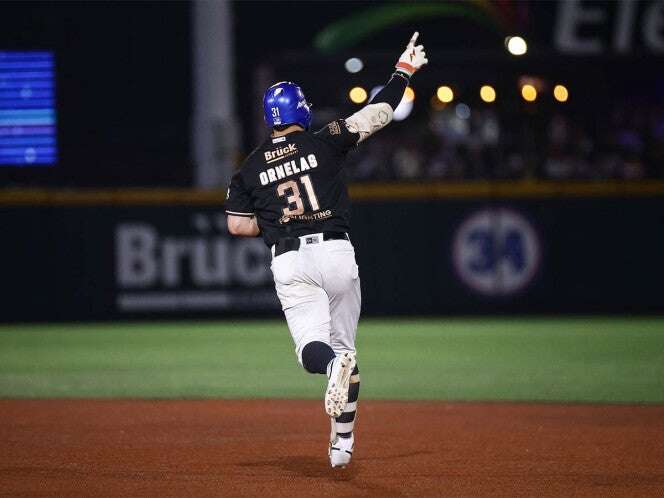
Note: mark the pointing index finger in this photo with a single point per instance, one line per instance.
(413, 39)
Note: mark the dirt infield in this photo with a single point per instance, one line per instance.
(68, 448)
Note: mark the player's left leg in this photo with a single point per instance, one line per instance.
(316, 357)
(345, 423)
(306, 307)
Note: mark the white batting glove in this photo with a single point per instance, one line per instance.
(413, 57)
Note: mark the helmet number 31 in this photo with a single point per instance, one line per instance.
(275, 112)
(291, 191)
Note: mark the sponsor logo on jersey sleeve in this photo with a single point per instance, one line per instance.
(334, 128)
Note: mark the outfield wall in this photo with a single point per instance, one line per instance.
(437, 254)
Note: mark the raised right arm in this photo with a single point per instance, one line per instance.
(379, 112)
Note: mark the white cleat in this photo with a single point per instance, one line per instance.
(341, 451)
(336, 394)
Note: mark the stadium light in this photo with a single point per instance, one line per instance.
(354, 65)
(487, 93)
(560, 93)
(529, 93)
(357, 95)
(445, 94)
(516, 45)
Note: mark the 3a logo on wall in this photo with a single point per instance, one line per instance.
(496, 252)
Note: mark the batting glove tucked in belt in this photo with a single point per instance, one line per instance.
(413, 57)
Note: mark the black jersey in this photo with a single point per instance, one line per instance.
(294, 184)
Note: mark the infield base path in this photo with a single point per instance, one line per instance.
(272, 448)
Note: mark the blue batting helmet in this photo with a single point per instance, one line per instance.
(284, 103)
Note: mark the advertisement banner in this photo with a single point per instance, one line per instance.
(561, 255)
(125, 262)
(188, 262)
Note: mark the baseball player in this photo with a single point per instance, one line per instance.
(291, 191)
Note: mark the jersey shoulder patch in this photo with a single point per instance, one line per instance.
(334, 128)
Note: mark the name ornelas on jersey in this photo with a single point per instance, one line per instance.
(289, 168)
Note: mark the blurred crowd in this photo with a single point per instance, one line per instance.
(459, 143)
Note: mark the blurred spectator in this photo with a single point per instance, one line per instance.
(464, 143)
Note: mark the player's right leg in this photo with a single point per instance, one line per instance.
(343, 289)
(342, 438)
(342, 285)
(306, 305)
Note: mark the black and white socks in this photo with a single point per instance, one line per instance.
(346, 421)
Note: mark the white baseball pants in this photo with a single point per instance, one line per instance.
(319, 290)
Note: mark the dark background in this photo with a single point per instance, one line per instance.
(123, 89)
(124, 86)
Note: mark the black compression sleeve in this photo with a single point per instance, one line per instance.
(392, 93)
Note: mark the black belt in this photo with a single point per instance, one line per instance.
(287, 244)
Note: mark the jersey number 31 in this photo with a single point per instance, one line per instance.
(295, 198)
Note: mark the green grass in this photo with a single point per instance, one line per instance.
(571, 359)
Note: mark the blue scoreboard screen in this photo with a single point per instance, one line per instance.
(28, 134)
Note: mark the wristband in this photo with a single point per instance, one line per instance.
(405, 67)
